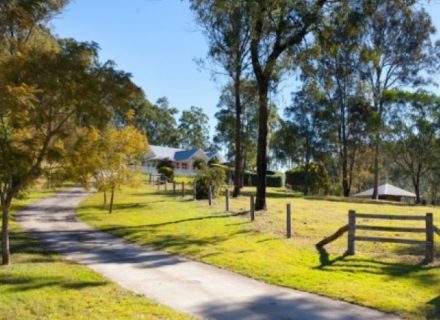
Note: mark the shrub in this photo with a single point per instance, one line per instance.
(167, 172)
(165, 163)
(319, 180)
(199, 164)
(213, 161)
(275, 180)
(214, 177)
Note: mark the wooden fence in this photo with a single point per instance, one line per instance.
(428, 229)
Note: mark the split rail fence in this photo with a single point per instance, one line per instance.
(429, 229)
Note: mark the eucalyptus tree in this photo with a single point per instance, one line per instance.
(397, 49)
(413, 128)
(226, 26)
(278, 28)
(193, 129)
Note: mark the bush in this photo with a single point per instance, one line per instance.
(319, 180)
(165, 163)
(214, 177)
(167, 172)
(275, 180)
(199, 164)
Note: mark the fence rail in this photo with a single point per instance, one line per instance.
(429, 229)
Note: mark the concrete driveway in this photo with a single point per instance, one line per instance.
(191, 287)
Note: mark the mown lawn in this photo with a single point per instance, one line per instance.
(41, 285)
(386, 277)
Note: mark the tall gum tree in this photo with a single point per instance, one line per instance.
(277, 28)
(226, 26)
(397, 50)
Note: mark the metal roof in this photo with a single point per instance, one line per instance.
(185, 154)
(175, 154)
(386, 190)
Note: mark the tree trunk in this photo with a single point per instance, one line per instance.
(105, 198)
(263, 117)
(5, 235)
(110, 209)
(376, 170)
(238, 151)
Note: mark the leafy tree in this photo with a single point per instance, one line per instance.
(120, 148)
(193, 129)
(396, 48)
(307, 135)
(227, 27)
(414, 126)
(37, 113)
(158, 121)
(277, 28)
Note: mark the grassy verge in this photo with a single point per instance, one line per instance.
(388, 278)
(41, 285)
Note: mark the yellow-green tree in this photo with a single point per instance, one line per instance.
(120, 151)
(105, 159)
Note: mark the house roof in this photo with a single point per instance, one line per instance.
(386, 190)
(185, 154)
(161, 153)
(176, 154)
(213, 154)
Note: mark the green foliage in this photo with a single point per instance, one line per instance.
(272, 180)
(199, 164)
(318, 178)
(167, 172)
(165, 163)
(214, 177)
(193, 129)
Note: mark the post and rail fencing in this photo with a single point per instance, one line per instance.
(428, 229)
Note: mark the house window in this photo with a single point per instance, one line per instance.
(184, 166)
(177, 165)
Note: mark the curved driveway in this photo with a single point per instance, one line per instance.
(191, 287)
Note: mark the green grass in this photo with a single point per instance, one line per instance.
(41, 285)
(386, 277)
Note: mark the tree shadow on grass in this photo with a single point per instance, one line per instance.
(20, 283)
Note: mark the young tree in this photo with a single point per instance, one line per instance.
(396, 48)
(118, 149)
(226, 26)
(277, 28)
(193, 129)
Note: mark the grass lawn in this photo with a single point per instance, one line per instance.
(41, 285)
(386, 277)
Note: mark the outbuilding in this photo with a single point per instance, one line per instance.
(387, 192)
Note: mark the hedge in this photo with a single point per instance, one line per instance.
(276, 180)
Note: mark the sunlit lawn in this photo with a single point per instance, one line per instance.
(387, 277)
(41, 285)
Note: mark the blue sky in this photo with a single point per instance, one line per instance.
(157, 41)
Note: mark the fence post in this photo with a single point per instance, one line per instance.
(351, 232)
(227, 200)
(429, 254)
(174, 187)
(252, 208)
(288, 221)
(183, 189)
(210, 195)
(166, 185)
(194, 191)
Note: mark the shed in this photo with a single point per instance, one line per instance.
(387, 192)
